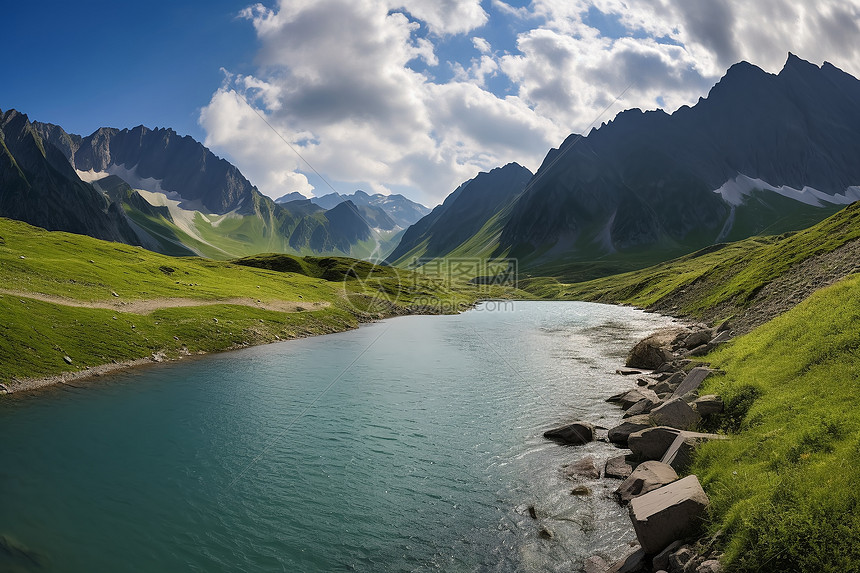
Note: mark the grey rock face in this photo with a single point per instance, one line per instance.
(647, 476)
(668, 514)
(574, 434)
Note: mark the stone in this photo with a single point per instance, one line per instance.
(67, 359)
(699, 350)
(620, 433)
(682, 560)
(675, 413)
(635, 395)
(628, 372)
(532, 512)
(651, 443)
(692, 381)
(708, 405)
(113, 293)
(643, 406)
(666, 368)
(669, 513)
(595, 564)
(698, 338)
(646, 477)
(679, 455)
(710, 566)
(670, 384)
(643, 382)
(574, 434)
(584, 468)
(580, 490)
(545, 533)
(630, 563)
(619, 467)
(615, 398)
(661, 560)
(722, 337)
(651, 352)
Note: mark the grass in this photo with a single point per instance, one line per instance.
(47, 279)
(784, 488)
(726, 276)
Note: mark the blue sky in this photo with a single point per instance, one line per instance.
(409, 96)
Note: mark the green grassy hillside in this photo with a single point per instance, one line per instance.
(97, 302)
(784, 487)
(725, 281)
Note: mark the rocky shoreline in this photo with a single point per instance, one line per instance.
(657, 435)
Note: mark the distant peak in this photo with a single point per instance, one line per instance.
(794, 62)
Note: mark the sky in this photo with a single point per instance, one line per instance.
(404, 96)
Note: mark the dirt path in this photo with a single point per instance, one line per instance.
(150, 305)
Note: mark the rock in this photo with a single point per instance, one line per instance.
(708, 405)
(633, 396)
(652, 443)
(584, 468)
(653, 351)
(113, 293)
(670, 384)
(574, 434)
(721, 338)
(699, 350)
(679, 455)
(643, 406)
(619, 467)
(681, 560)
(595, 564)
(643, 382)
(532, 512)
(646, 477)
(545, 533)
(710, 566)
(627, 372)
(698, 338)
(630, 563)
(620, 433)
(661, 560)
(692, 381)
(4, 389)
(580, 490)
(67, 360)
(615, 398)
(669, 513)
(675, 413)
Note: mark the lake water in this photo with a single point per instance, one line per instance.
(413, 444)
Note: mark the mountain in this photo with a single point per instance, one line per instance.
(401, 210)
(167, 193)
(763, 153)
(38, 185)
(469, 220)
(294, 196)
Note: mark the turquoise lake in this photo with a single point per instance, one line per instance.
(412, 444)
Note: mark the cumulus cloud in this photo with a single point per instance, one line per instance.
(351, 84)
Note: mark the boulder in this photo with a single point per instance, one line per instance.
(679, 455)
(698, 338)
(595, 564)
(699, 350)
(67, 360)
(670, 384)
(661, 560)
(645, 382)
(646, 477)
(682, 560)
(628, 371)
(574, 434)
(643, 406)
(651, 443)
(669, 513)
(692, 381)
(675, 413)
(620, 433)
(635, 395)
(584, 468)
(722, 337)
(710, 566)
(580, 490)
(708, 405)
(619, 467)
(654, 350)
(630, 563)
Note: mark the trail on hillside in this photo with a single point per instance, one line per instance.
(150, 305)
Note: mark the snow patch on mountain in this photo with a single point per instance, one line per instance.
(735, 191)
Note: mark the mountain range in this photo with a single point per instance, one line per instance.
(763, 153)
(170, 194)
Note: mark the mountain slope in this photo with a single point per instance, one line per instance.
(468, 222)
(401, 210)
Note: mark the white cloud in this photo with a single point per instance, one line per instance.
(338, 79)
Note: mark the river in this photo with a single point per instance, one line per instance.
(412, 444)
